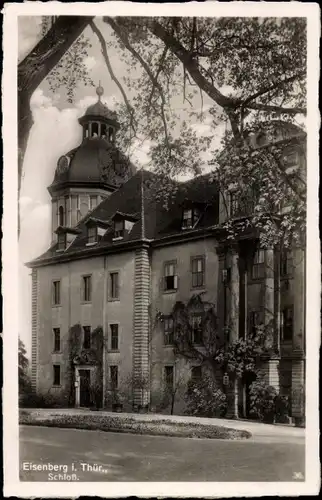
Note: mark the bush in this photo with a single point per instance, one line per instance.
(41, 400)
(263, 398)
(282, 409)
(205, 399)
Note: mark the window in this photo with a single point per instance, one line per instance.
(56, 293)
(78, 210)
(114, 377)
(103, 131)
(255, 320)
(168, 330)
(114, 337)
(233, 203)
(190, 217)
(197, 329)
(196, 373)
(286, 263)
(61, 241)
(198, 271)
(92, 202)
(258, 267)
(187, 218)
(61, 216)
(56, 339)
(118, 229)
(87, 337)
(114, 285)
(87, 288)
(94, 129)
(110, 134)
(56, 374)
(169, 377)
(170, 278)
(92, 234)
(287, 323)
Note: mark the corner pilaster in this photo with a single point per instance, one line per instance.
(34, 328)
(141, 358)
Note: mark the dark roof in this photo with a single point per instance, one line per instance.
(159, 222)
(99, 109)
(95, 161)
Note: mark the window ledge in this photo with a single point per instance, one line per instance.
(56, 305)
(61, 250)
(203, 287)
(91, 244)
(119, 238)
(86, 302)
(113, 300)
(57, 352)
(113, 351)
(56, 386)
(170, 291)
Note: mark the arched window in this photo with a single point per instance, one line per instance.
(103, 131)
(110, 134)
(61, 216)
(94, 129)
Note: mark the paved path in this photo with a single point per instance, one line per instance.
(259, 431)
(128, 457)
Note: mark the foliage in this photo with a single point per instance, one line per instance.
(242, 355)
(205, 399)
(236, 75)
(282, 409)
(237, 357)
(24, 381)
(71, 70)
(48, 400)
(263, 399)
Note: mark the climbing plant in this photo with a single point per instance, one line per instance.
(207, 344)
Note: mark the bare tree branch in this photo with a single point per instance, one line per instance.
(114, 23)
(112, 74)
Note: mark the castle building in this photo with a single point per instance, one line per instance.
(119, 260)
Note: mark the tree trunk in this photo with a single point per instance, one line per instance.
(36, 66)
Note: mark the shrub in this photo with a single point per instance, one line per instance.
(205, 399)
(263, 397)
(42, 400)
(282, 409)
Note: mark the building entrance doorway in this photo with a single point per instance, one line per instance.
(84, 387)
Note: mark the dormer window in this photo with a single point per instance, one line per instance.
(62, 241)
(92, 234)
(119, 226)
(190, 217)
(187, 218)
(65, 237)
(123, 224)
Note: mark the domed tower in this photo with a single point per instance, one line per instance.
(89, 173)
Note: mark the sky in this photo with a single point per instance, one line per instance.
(56, 131)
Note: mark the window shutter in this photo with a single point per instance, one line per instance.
(175, 282)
